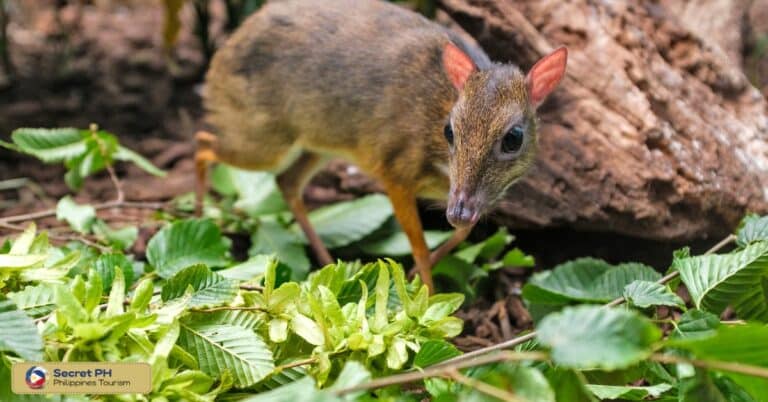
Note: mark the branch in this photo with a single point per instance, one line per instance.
(740, 368)
(531, 335)
(482, 387)
(104, 205)
(443, 370)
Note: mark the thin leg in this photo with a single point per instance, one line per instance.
(407, 213)
(458, 236)
(291, 183)
(204, 155)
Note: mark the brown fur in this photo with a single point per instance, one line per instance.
(363, 80)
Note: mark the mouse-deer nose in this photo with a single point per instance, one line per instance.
(463, 210)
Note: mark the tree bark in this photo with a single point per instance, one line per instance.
(654, 132)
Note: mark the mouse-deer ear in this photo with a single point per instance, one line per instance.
(545, 75)
(458, 66)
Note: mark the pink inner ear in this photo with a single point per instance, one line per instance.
(546, 74)
(457, 65)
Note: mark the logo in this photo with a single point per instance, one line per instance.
(35, 377)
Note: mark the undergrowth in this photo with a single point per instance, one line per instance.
(273, 327)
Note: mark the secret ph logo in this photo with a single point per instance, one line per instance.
(35, 377)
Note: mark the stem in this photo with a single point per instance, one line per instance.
(531, 335)
(483, 387)
(228, 308)
(443, 370)
(297, 363)
(104, 205)
(740, 368)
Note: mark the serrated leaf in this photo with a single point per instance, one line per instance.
(18, 333)
(209, 288)
(242, 318)
(185, 243)
(585, 280)
(50, 145)
(228, 347)
(434, 351)
(631, 393)
(106, 264)
(596, 337)
(124, 154)
(753, 229)
(646, 294)
(344, 223)
(36, 301)
(272, 238)
(738, 278)
(696, 324)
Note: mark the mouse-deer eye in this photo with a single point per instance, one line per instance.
(448, 133)
(513, 140)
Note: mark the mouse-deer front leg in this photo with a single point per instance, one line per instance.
(407, 213)
(458, 236)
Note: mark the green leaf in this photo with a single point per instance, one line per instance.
(396, 244)
(753, 229)
(434, 351)
(257, 192)
(570, 385)
(306, 328)
(596, 337)
(738, 278)
(228, 347)
(737, 343)
(397, 353)
(380, 318)
(527, 383)
(18, 333)
(79, 217)
(628, 392)
(36, 301)
(50, 145)
(124, 154)
(646, 294)
(585, 280)
(185, 243)
(352, 374)
(441, 306)
(106, 264)
(516, 258)
(142, 295)
(248, 270)
(300, 390)
(344, 223)
(696, 324)
(116, 295)
(120, 238)
(210, 288)
(272, 238)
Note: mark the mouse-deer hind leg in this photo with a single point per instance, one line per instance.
(204, 156)
(292, 182)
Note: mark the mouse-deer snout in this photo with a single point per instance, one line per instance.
(463, 209)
